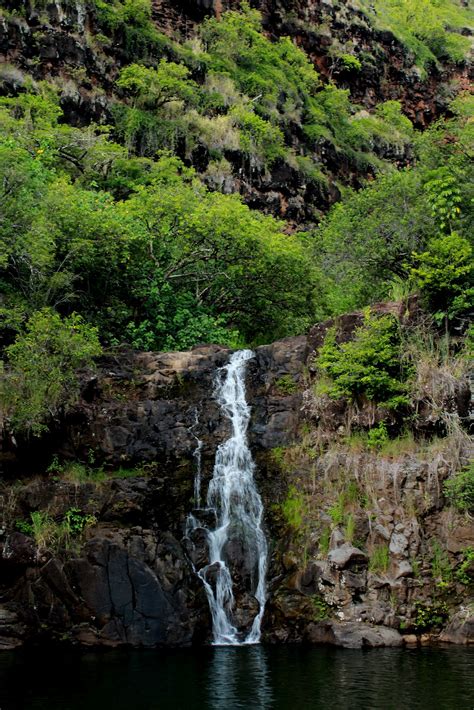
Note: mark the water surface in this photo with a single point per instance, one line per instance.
(290, 678)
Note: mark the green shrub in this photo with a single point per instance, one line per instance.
(130, 23)
(465, 571)
(440, 565)
(445, 275)
(322, 610)
(324, 540)
(337, 510)
(278, 456)
(75, 522)
(262, 142)
(42, 363)
(459, 490)
(155, 88)
(50, 534)
(379, 559)
(293, 508)
(349, 528)
(44, 529)
(430, 616)
(430, 29)
(377, 437)
(368, 366)
(286, 385)
(350, 62)
(24, 527)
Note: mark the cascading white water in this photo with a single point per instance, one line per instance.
(238, 508)
(192, 522)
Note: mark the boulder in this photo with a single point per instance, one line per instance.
(347, 556)
(353, 635)
(460, 629)
(398, 544)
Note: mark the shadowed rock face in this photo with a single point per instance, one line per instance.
(129, 578)
(142, 407)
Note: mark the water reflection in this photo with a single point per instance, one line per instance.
(239, 678)
(229, 678)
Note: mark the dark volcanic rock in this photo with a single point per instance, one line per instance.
(129, 577)
(123, 584)
(460, 629)
(353, 635)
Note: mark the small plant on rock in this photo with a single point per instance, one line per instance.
(430, 616)
(440, 565)
(377, 437)
(321, 608)
(465, 572)
(324, 540)
(286, 385)
(379, 559)
(75, 521)
(294, 508)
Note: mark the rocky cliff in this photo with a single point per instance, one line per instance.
(365, 549)
(68, 44)
(325, 29)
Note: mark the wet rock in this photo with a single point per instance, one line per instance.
(460, 630)
(353, 635)
(19, 550)
(356, 582)
(12, 630)
(130, 579)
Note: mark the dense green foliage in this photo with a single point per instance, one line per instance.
(459, 490)
(169, 266)
(368, 366)
(410, 230)
(43, 362)
(431, 29)
(254, 96)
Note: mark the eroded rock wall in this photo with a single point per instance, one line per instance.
(364, 548)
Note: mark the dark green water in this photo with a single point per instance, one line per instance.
(228, 678)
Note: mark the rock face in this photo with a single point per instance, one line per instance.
(461, 628)
(93, 541)
(125, 583)
(130, 578)
(352, 635)
(325, 29)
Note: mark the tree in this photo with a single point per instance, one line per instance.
(445, 275)
(155, 88)
(41, 374)
(368, 238)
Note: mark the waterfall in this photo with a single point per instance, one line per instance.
(192, 522)
(238, 509)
